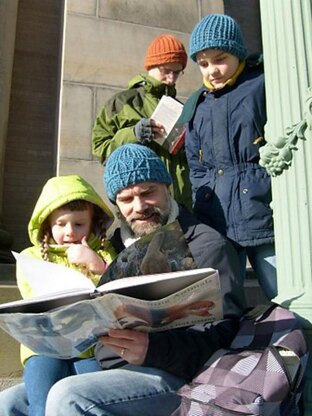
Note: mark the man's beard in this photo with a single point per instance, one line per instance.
(139, 230)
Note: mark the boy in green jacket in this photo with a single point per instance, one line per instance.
(125, 118)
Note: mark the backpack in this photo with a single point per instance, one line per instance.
(260, 374)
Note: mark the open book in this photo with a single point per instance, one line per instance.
(167, 113)
(64, 324)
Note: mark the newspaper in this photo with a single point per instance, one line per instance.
(70, 313)
(185, 298)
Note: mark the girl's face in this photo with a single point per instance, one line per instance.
(69, 227)
(217, 66)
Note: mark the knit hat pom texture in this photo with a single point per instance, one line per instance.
(217, 31)
(165, 49)
(131, 164)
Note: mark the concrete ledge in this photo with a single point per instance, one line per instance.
(5, 383)
(7, 274)
(10, 366)
(253, 292)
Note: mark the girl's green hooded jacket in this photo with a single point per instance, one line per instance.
(114, 126)
(57, 192)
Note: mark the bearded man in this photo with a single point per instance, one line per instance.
(142, 371)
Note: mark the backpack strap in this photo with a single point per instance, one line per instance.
(270, 325)
(259, 310)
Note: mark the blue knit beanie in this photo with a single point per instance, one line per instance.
(131, 164)
(217, 31)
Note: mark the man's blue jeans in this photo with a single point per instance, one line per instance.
(131, 390)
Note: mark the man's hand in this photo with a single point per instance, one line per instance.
(82, 254)
(131, 345)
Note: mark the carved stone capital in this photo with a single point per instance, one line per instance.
(277, 156)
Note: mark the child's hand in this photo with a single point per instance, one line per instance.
(158, 129)
(147, 129)
(82, 254)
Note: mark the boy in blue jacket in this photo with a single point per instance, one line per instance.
(226, 118)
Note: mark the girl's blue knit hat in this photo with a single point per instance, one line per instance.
(131, 164)
(217, 31)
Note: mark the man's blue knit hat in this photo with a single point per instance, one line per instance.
(131, 164)
(217, 31)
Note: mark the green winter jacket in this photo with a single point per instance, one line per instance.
(57, 192)
(114, 126)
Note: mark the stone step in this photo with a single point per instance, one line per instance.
(10, 367)
(6, 382)
(7, 274)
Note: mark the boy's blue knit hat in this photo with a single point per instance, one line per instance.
(131, 164)
(217, 31)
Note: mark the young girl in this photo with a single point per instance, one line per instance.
(68, 226)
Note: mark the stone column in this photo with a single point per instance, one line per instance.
(287, 47)
(8, 15)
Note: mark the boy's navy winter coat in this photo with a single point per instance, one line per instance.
(231, 191)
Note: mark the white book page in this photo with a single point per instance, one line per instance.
(167, 113)
(171, 282)
(50, 278)
(47, 278)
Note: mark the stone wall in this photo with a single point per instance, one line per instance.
(31, 134)
(69, 58)
(104, 47)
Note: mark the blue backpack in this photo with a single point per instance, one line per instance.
(260, 374)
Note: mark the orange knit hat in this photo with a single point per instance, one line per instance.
(165, 49)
